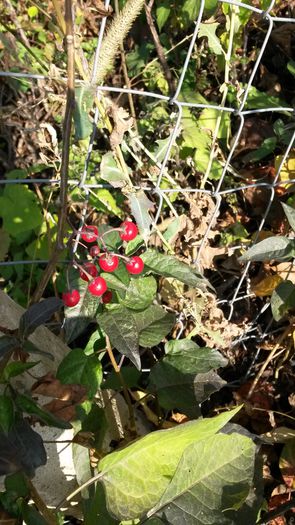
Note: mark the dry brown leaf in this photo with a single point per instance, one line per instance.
(122, 123)
(267, 285)
(286, 270)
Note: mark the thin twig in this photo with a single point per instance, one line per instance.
(87, 483)
(124, 386)
(270, 516)
(159, 48)
(269, 358)
(49, 516)
(67, 127)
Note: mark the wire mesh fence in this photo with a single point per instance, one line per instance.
(239, 110)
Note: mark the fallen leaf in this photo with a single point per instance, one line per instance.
(267, 285)
(287, 464)
(122, 123)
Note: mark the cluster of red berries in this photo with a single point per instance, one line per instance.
(108, 262)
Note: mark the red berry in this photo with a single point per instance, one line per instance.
(135, 265)
(129, 232)
(94, 251)
(108, 263)
(98, 286)
(89, 233)
(71, 298)
(107, 297)
(90, 268)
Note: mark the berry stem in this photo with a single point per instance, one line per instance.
(79, 267)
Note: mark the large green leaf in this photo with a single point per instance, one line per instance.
(209, 31)
(80, 369)
(4, 244)
(277, 248)
(140, 293)
(153, 325)
(127, 329)
(38, 314)
(19, 209)
(213, 477)
(162, 13)
(6, 413)
(169, 266)
(290, 214)
(140, 206)
(119, 324)
(183, 378)
(84, 99)
(136, 477)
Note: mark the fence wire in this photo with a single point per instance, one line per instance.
(240, 292)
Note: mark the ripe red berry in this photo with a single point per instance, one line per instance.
(135, 265)
(98, 286)
(129, 232)
(89, 233)
(108, 262)
(94, 251)
(107, 297)
(90, 268)
(71, 298)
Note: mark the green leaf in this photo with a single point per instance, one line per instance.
(130, 375)
(209, 31)
(6, 413)
(16, 218)
(267, 147)
(290, 214)
(140, 293)
(33, 11)
(110, 172)
(208, 121)
(119, 324)
(282, 299)
(104, 200)
(80, 369)
(169, 266)
(31, 515)
(14, 369)
(183, 378)
(4, 244)
(188, 357)
(38, 314)
(114, 282)
(291, 67)
(8, 343)
(18, 484)
(213, 476)
(193, 136)
(80, 316)
(136, 477)
(140, 206)
(153, 325)
(162, 13)
(84, 99)
(32, 349)
(278, 248)
(256, 99)
(28, 405)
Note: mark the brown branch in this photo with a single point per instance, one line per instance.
(67, 128)
(160, 51)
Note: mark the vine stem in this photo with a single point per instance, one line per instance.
(224, 95)
(50, 517)
(64, 170)
(124, 386)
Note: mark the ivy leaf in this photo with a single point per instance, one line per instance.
(140, 206)
(110, 172)
(212, 478)
(137, 476)
(19, 218)
(169, 266)
(77, 368)
(278, 248)
(38, 314)
(209, 31)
